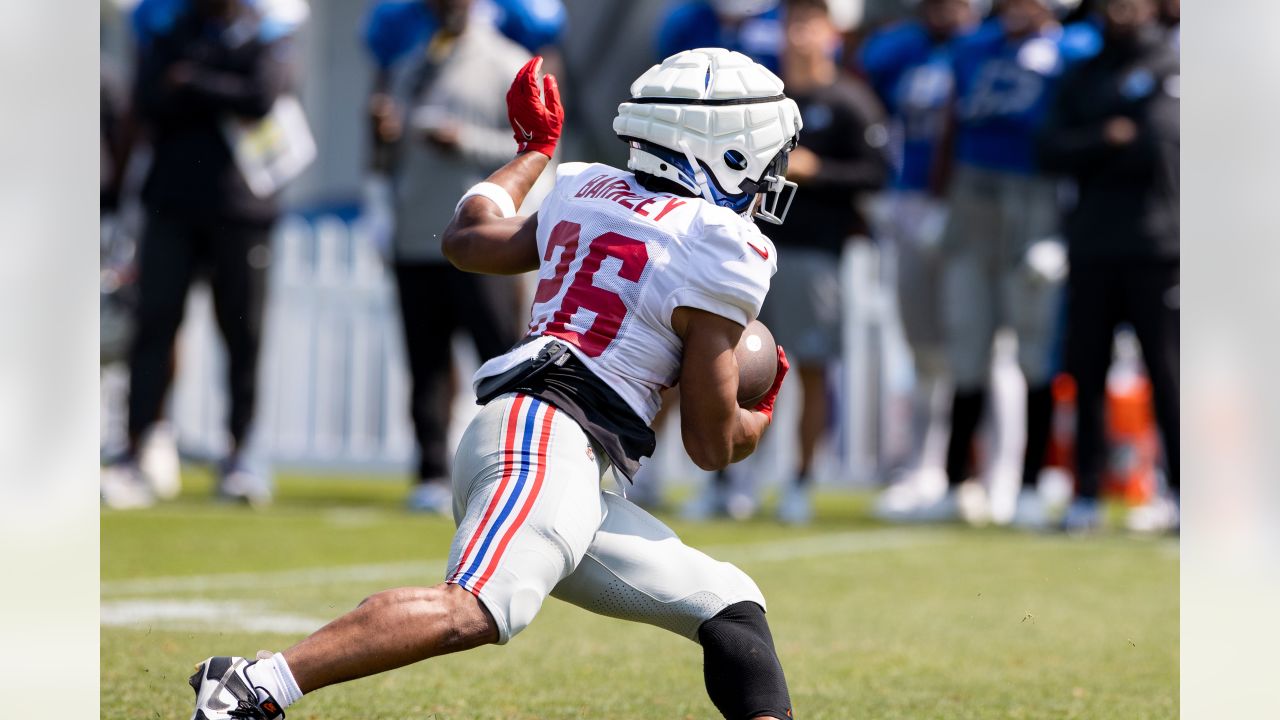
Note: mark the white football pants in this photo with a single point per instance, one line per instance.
(533, 521)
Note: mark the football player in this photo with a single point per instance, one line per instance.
(646, 279)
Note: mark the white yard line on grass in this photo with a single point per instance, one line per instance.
(204, 615)
(428, 571)
(194, 584)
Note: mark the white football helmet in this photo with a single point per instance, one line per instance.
(717, 124)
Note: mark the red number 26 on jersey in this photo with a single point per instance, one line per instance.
(608, 307)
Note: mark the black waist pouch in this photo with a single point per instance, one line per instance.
(557, 376)
(553, 353)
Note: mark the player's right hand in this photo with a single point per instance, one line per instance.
(766, 404)
(535, 112)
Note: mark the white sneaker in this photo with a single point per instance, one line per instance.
(796, 505)
(899, 500)
(225, 692)
(431, 496)
(711, 501)
(1004, 492)
(239, 480)
(1029, 513)
(123, 487)
(974, 503)
(158, 460)
(944, 509)
(1159, 515)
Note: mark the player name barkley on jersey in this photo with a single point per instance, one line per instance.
(612, 187)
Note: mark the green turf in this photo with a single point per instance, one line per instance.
(870, 622)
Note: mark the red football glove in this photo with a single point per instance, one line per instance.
(766, 405)
(535, 113)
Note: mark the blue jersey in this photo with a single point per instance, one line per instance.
(1003, 89)
(151, 18)
(695, 24)
(397, 28)
(912, 75)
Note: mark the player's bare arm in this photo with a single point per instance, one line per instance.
(485, 235)
(715, 430)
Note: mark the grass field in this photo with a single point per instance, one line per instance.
(871, 621)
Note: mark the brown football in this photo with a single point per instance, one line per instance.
(757, 364)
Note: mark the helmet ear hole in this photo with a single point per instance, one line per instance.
(735, 159)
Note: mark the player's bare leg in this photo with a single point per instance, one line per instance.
(391, 629)
(386, 631)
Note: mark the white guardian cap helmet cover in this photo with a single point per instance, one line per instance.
(717, 124)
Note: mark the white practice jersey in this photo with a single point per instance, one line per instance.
(617, 259)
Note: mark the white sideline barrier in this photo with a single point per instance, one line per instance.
(333, 392)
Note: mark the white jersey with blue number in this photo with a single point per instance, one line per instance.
(617, 259)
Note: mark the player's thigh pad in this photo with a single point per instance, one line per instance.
(637, 569)
(526, 486)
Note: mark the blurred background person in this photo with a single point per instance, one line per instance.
(452, 133)
(1114, 129)
(209, 65)
(396, 33)
(909, 66)
(751, 27)
(840, 159)
(1003, 265)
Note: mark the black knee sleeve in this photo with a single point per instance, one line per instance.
(741, 668)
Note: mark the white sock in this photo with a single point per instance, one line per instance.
(272, 674)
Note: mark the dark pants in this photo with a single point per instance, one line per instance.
(1100, 297)
(437, 300)
(174, 250)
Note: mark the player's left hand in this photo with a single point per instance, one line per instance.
(535, 112)
(766, 404)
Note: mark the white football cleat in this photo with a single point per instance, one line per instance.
(224, 692)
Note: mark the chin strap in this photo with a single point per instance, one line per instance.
(699, 175)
